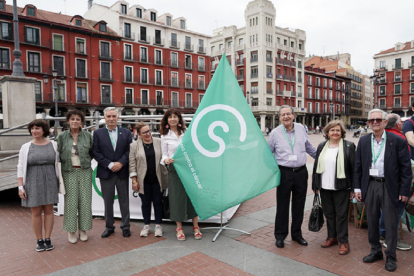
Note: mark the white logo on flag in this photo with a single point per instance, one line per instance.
(215, 124)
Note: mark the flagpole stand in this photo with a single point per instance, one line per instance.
(225, 227)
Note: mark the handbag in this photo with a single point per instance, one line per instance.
(165, 205)
(316, 219)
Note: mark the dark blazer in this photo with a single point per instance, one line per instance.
(397, 166)
(104, 153)
(340, 184)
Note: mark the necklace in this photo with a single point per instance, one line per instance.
(147, 146)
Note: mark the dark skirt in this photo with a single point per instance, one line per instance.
(181, 208)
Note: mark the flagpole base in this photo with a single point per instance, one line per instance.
(221, 228)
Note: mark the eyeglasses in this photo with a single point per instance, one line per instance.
(146, 132)
(377, 120)
(285, 115)
(76, 149)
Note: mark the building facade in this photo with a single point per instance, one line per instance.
(267, 61)
(394, 87)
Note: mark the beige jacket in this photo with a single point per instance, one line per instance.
(138, 164)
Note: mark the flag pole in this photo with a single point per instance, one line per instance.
(225, 227)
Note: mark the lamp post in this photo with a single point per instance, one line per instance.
(17, 63)
(375, 81)
(46, 81)
(332, 106)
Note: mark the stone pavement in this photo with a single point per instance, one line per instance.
(232, 253)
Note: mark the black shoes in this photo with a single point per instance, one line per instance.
(280, 243)
(48, 245)
(372, 258)
(126, 233)
(390, 264)
(107, 233)
(300, 241)
(40, 245)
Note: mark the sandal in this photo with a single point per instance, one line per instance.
(197, 235)
(180, 237)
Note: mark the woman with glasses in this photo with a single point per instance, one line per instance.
(333, 177)
(75, 149)
(149, 177)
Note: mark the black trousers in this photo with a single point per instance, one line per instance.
(108, 193)
(335, 205)
(378, 199)
(295, 184)
(152, 195)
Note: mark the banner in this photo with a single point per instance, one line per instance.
(224, 158)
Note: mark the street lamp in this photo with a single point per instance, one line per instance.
(332, 106)
(375, 78)
(62, 81)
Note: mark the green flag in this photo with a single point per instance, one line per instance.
(224, 158)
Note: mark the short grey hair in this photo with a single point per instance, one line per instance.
(384, 114)
(111, 108)
(393, 119)
(286, 106)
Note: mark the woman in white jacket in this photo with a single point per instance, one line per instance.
(37, 175)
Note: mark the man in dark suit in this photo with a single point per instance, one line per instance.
(382, 180)
(111, 151)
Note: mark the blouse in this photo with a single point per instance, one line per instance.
(169, 144)
(328, 175)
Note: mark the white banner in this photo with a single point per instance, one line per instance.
(134, 203)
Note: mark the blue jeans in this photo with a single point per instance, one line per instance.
(152, 194)
(400, 212)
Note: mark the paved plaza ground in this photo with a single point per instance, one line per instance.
(232, 254)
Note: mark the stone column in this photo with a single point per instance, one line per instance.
(273, 121)
(303, 119)
(313, 121)
(91, 110)
(263, 122)
(405, 112)
(327, 119)
(136, 110)
(320, 121)
(152, 110)
(47, 111)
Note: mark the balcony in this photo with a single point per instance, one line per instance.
(201, 49)
(292, 78)
(189, 85)
(128, 100)
(145, 59)
(254, 58)
(269, 59)
(81, 74)
(175, 83)
(129, 57)
(43, 42)
(158, 41)
(286, 62)
(144, 80)
(300, 80)
(269, 91)
(293, 93)
(106, 101)
(188, 65)
(398, 66)
(159, 62)
(128, 35)
(382, 80)
(81, 50)
(105, 55)
(299, 64)
(34, 69)
(59, 47)
(279, 92)
(129, 79)
(382, 106)
(188, 47)
(412, 77)
(397, 105)
(174, 63)
(254, 90)
(318, 84)
(174, 44)
(144, 38)
(293, 63)
(287, 77)
(397, 79)
(82, 98)
(239, 62)
(410, 64)
(158, 81)
(396, 92)
(300, 94)
(201, 85)
(201, 68)
(240, 77)
(279, 76)
(279, 61)
(106, 77)
(254, 76)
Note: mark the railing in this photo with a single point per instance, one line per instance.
(293, 78)
(397, 79)
(36, 41)
(279, 61)
(175, 63)
(175, 83)
(131, 79)
(36, 69)
(174, 44)
(300, 80)
(106, 101)
(105, 55)
(189, 84)
(81, 50)
(253, 76)
(300, 94)
(59, 46)
(239, 62)
(145, 59)
(144, 80)
(398, 66)
(158, 61)
(128, 35)
(201, 49)
(269, 75)
(128, 100)
(143, 38)
(269, 59)
(83, 99)
(201, 68)
(299, 64)
(240, 77)
(158, 41)
(269, 91)
(158, 81)
(188, 65)
(81, 74)
(410, 65)
(106, 77)
(201, 85)
(129, 57)
(254, 59)
(254, 90)
(279, 92)
(188, 47)
(60, 72)
(287, 77)
(286, 62)
(293, 63)
(279, 76)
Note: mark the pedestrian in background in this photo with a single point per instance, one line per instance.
(332, 176)
(149, 177)
(75, 149)
(172, 129)
(37, 177)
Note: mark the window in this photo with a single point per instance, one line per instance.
(38, 91)
(128, 96)
(58, 42)
(174, 99)
(268, 101)
(174, 40)
(78, 22)
(128, 52)
(81, 93)
(139, 13)
(80, 68)
(382, 64)
(106, 94)
(32, 35)
(382, 103)
(397, 102)
(174, 59)
(158, 37)
(80, 46)
(397, 63)
(201, 64)
(106, 70)
(4, 58)
(61, 94)
(158, 57)
(285, 42)
(188, 43)
(255, 102)
(168, 21)
(241, 41)
(158, 77)
(34, 62)
(127, 30)
(174, 79)
(143, 34)
(6, 30)
(310, 107)
(213, 48)
(382, 91)
(292, 44)
(1, 5)
(143, 54)
(30, 11)
(221, 47)
(153, 16)
(254, 72)
(128, 74)
(58, 64)
(300, 46)
(201, 46)
(201, 83)
(144, 97)
(144, 75)
(160, 99)
(397, 89)
(200, 97)
(182, 24)
(188, 64)
(105, 49)
(123, 9)
(188, 99)
(188, 79)
(230, 44)
(102, 27)
(412, 89)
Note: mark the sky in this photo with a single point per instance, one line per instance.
(362, 28)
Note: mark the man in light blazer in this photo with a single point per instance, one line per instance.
(111, 151)
(382, 180)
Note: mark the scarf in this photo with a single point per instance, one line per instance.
(340, 163)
